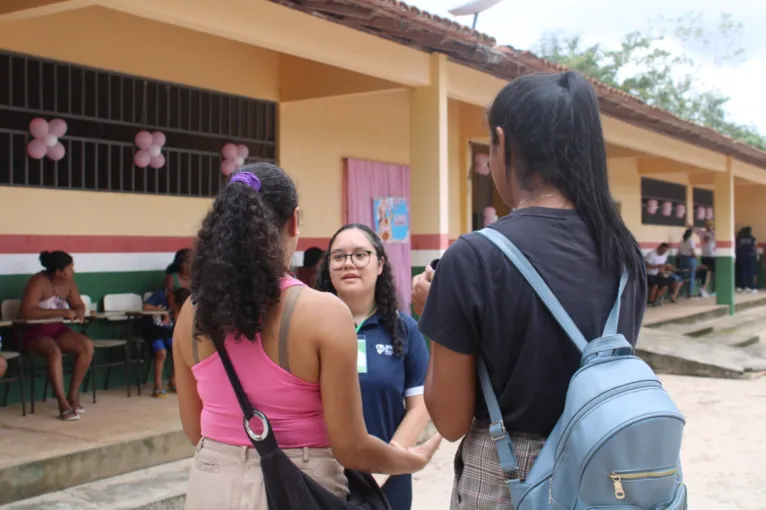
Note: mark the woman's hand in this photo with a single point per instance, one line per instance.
(421, 454)
(69, 314)
(421, 284)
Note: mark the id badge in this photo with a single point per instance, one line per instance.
(361, 355)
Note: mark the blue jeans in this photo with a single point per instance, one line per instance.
(747, 265)
(689, 263)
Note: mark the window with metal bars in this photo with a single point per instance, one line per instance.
(105, 110)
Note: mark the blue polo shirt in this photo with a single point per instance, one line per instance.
(388, 380)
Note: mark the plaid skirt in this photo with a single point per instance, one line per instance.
(479, 479)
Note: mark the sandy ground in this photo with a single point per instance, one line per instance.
(724, 451)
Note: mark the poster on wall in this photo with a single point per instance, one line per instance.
(663, 203)
(392, 219)
(703, 206)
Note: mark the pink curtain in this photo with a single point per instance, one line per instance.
(366, 181)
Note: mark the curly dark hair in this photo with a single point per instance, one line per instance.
(385, 288)
(240, 255)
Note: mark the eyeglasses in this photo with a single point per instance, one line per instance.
(360, 259)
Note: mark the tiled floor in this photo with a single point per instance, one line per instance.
(113, 419)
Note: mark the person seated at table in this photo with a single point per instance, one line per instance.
(158, 332)
(178, 273)
(52, 294)
(660, 276)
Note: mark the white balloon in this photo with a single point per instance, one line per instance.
(155, 150)
(239, 161)
(50, 140)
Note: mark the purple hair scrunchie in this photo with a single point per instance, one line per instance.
(247, 178)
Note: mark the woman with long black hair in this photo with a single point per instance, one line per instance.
(548, 162)
(393, 357)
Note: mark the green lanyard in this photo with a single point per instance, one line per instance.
(365, 320)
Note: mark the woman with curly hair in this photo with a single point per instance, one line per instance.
(293, 348)
(392, 358)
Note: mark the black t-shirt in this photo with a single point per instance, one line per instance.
(746, 245)
(479, 304)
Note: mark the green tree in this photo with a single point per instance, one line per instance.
(660, 66)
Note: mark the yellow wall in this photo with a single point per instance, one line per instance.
(457, 169)
(111, 40)
(750, 208)
(306, 79)
(625, 185)
(53, 212)
(316, 134)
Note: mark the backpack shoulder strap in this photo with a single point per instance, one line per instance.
(538, 284)
(497, 431)
(614, 316)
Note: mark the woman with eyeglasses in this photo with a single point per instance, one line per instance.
(392, 354)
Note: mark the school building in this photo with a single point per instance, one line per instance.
(357, 99)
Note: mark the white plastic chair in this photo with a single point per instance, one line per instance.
(123, 303)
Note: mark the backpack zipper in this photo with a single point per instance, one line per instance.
(617, 478)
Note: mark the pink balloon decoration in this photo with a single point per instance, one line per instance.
(157, 161)
(228, 166)
(709, 213)
(242, 151)
(158, 138)
(229, 151)
(56, 152)
(142, 158)
(144, 141)
(38, 127)
(700, 213)
(57, 127)
(36, 149)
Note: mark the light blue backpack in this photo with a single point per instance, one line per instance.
(617, 445)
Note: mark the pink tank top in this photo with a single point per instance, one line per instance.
(293, 406)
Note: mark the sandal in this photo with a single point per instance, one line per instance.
(171, 388)
(160, 394)
(69, 415)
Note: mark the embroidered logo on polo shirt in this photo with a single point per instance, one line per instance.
(387, 350)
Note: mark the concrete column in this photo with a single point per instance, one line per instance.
(429, 166)
(723, 205)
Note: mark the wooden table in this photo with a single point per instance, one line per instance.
(147, 313)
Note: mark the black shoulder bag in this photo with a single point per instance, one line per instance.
(287, 487)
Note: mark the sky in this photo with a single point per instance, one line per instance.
(521, 23)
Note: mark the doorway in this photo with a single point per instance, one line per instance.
(486, 204)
